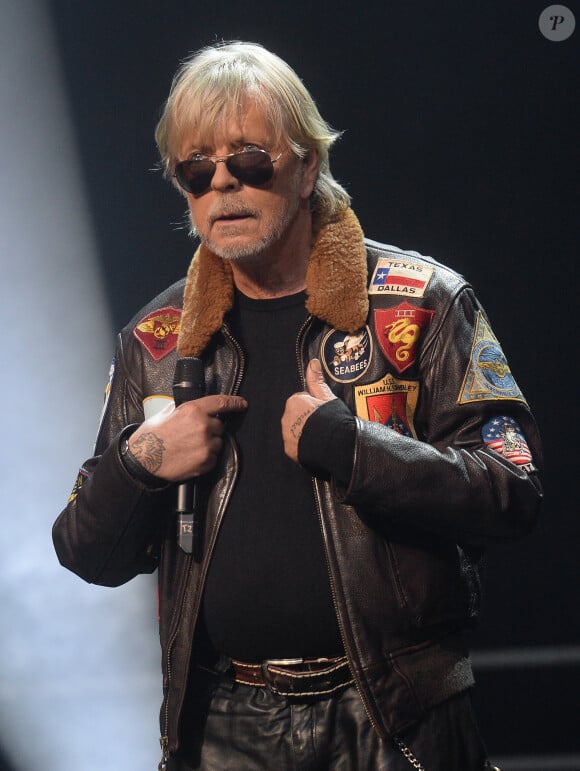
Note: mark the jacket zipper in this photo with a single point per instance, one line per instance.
(164, 739)
(318, 506)
(238, 381)
(164, 742)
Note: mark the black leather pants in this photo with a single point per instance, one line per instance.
(231, 727)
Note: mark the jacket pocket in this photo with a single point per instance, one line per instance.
(436, 581)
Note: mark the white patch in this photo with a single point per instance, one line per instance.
(400, 277)
(152, 405)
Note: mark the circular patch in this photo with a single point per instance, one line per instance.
(346, 357)
(493, 369)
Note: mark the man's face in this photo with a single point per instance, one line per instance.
(244, 223)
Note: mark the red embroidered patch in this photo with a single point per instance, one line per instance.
(398, 331)
(389, 401)
(390, 411)
(158, 331)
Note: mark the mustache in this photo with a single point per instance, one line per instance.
(230, 208)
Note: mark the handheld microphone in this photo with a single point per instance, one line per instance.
(189, 384)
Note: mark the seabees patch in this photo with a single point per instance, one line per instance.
(158, 331)
(488, 375)
(346, 357)
(389, 401)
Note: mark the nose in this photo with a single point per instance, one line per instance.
(223, 179)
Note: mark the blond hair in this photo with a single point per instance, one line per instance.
(215, 83)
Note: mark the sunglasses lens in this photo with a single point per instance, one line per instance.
(195, 176)
(252, 168)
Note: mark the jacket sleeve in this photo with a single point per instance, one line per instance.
(109, 530)
(449, 481)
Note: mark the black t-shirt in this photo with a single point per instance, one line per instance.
(268, 589)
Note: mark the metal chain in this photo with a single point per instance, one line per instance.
(408, 754)
(415, 763)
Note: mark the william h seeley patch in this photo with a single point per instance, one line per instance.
(400, 277)
(389, 401)
(488, 375)
(346, 357)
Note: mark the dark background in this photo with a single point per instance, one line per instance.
(461, 141)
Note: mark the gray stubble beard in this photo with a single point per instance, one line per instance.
(253, 252)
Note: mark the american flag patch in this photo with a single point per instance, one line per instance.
(504, 435)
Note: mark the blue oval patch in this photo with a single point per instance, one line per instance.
(345, 356)
(494, 369)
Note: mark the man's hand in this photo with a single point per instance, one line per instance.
(300, 406)
(183, 442)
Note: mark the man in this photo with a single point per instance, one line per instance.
(349, 453)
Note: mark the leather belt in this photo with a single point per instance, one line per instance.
(295, 677)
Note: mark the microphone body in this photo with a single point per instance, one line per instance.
(189, 384)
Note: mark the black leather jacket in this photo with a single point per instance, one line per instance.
(405, 540)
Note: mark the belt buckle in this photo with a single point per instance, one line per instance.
(282, 662)
(269, 676)
(276, 663)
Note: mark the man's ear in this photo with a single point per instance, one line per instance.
(310, 172)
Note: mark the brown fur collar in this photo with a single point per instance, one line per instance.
(336, 286)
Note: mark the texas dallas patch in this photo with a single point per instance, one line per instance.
(347, 357)
(400, 276)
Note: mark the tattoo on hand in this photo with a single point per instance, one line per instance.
(147, 449)
(298, 425)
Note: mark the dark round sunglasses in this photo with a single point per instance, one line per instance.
(251, 167)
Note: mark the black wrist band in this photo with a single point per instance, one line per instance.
(135, 469)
